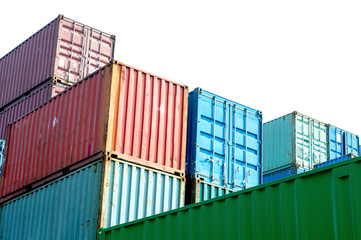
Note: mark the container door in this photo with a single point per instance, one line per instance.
(229, 143)
(336, 139)
(351, 143)
(311, 142)
(244, 148)
(212, 140)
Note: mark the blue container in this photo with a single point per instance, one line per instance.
(2, 148)
(336, 160)
(341, 142)
(282, 174)
(224, 141)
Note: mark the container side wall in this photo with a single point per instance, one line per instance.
(24, 106)
(319, 204)
(278, 141)
(81, 50)
(136, 192)
(62, 132)
(192, 133)
(63, 209)
(151, 117)
(29, 64)
(227, 144)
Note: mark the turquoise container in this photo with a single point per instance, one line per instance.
(294, 140)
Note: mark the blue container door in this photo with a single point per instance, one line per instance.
(342, 142)
(224, 145)
(351, 143)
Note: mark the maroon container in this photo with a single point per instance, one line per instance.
(29, 102)
(64, 48)
(117, 111)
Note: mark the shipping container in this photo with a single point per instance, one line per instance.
(294, 140)
(282, 174)
(320, 204)
(224, 141)
(336, 160)
(341, 142)
(2, 148)
(198, 190)
(29, 102)
(119, 110)
(64, 48)
(72, 207)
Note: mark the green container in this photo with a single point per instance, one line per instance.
(323, 203)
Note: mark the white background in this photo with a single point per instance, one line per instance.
(274, 56)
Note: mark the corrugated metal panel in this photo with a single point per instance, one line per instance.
(64, 209)
(335, 160)
(29, 64)
(67, 208)
(135, 192)
(198, 191)
(319, 204)
(224, 141)
(2, 148)
(150, 120)
(64, 48)
(74, 126)
(56, 135)
(341, 142)
(282, 174)
(294, 140)
(24, 105)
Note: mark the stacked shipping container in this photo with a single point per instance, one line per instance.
(119, 112)
(224, 146)
(320, 204)
(63, 49)
(295, 143)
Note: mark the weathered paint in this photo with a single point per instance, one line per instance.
(68, 208)
(2, 148)
(341, 142)
(293, 140)
(28, 103)
(198, 191)
(282, 174)
(335, 160)
(224, 141)
(131, 192)
(131, 114)
(64, 48)
(63, 209)
(319, 204)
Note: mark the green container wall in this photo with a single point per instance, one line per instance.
(323, 203)
(293, 140)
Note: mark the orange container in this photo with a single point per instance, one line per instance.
(119, 111)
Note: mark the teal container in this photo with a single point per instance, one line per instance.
(198, 190)
(322, 203)
(294, 140)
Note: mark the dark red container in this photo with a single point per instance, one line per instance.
(27, 103)
(65, 49)
(118, 111)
